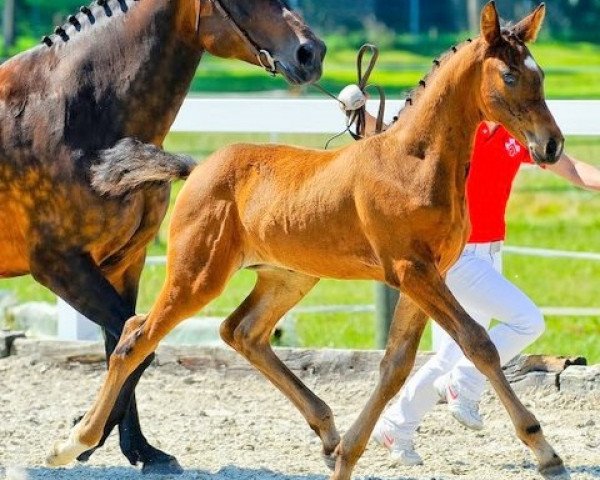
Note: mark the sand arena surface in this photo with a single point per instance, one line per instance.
(231, 427)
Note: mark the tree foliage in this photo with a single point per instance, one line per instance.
(567, 19)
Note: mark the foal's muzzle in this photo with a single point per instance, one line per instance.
(546, 152)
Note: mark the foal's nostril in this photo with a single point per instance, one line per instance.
(305, 54)
(551, 148)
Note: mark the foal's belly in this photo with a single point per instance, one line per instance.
(327, 252)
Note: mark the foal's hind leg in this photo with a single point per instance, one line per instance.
(248, 330)
(123, 270)
(195, 276)
(78, 280)
(132, 441)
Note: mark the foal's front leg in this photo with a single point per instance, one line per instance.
(427, 288)
(405, 333)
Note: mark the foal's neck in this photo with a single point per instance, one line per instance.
(441, 122)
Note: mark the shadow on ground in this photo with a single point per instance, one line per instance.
(125, 473)
(230, 472)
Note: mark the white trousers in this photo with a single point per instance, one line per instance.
(477, 283)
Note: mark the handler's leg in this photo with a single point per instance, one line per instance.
(396, 428)
(426, 287)
(400, 421)
(521, 324)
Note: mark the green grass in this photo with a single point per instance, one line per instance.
(572, 70)
(544, 212)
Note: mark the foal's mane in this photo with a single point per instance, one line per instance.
(415, 93)
(86, 18)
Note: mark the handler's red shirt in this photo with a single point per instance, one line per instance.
(496, 159)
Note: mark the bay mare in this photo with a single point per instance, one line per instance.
(104, 90)
(389, 208)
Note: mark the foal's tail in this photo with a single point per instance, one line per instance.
(131, 163)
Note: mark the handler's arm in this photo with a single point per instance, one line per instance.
(577, 172)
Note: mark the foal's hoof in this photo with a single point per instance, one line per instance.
(555, 472)
(164, 466)
(64, 453)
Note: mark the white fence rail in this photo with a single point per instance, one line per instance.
(266, 115)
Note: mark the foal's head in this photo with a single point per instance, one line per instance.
(272, 26)
(512, 90)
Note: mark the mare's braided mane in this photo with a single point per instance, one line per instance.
(85, 17)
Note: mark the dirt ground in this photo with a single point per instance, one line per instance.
(223, 427)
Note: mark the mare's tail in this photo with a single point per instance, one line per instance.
(131, 163)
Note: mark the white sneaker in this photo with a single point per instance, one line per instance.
(463, 409)
(402, 450)
(440, 385)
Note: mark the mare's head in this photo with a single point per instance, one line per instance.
(512, 84)
(266, 33)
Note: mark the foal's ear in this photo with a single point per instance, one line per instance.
(528, 28)
(490, 23)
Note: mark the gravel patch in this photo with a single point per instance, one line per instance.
(231, 427)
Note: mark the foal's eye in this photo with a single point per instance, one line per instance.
(509, 78)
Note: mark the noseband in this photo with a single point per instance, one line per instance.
(264, 57)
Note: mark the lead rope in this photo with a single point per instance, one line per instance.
(352, 99)
(363, 85)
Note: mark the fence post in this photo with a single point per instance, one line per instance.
(8, 25)
(72, 325)
(385, 303)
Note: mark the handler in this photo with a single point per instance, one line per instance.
(478, 284)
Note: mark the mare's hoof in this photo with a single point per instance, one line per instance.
(555, 472)
(85, 456)
(167, 465)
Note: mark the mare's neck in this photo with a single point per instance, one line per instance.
(167, 54)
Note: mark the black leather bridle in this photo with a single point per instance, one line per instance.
(264, 57)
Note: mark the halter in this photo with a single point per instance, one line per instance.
(264, 57)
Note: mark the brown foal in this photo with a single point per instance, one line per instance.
(389, 208)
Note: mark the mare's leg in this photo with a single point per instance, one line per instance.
(248, 331)
(197, 274)
(423, 283)
(132, 441)
(405, 332)
(77, 279)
